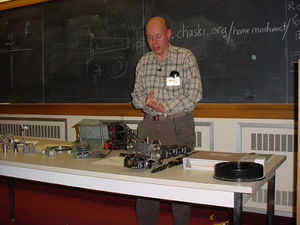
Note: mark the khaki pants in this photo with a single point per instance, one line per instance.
(175, 131)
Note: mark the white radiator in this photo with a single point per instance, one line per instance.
(272, 139)
(40, 128)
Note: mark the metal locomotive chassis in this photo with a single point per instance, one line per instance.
(145, 155)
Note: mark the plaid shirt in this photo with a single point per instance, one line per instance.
(151, 75)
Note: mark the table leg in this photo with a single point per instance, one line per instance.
(271, 197)
(238, 209)
(11, 193)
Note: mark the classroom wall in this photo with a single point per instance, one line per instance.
(233, 127)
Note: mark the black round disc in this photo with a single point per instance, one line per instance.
(239, 171)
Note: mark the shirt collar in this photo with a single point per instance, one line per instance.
(169, 55)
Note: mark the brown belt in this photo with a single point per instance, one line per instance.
(166, 117)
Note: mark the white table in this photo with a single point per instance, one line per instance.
(108, 174)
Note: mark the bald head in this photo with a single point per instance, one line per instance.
(157, 20)
(157, 33)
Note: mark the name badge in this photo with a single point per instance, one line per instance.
(173, 81)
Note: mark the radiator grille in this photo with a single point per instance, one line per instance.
(51, 129)
(272, 138)
(44, 131)
(198, 141)
(272, 142)
(282, 197)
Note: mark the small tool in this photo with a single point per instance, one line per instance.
(172, 163)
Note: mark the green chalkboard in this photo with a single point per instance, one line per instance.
(247, 50)
(72, 51)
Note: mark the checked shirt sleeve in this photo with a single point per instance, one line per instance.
(139, 94)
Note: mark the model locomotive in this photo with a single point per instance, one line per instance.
(148, 153)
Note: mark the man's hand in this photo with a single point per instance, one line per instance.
(154, 103)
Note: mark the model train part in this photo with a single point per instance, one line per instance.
(120, 135)
(146, 154)
(114, 135)
(91, 154)
(51, 151)
(8, 142)
(81, 146)
(174, 162)
(239, 171)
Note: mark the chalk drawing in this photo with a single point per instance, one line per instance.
(11, 48)
(106, 45)
(194, 31)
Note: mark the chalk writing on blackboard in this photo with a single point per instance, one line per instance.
(294, 13)
(294, 10)
(27, 32)
(297, 35)
(293, 6)
(188, 31)
(101, 45)
(11, 48)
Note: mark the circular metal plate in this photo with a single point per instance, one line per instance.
(61, 148)
(239, 171)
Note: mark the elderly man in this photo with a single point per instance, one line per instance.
(167, 87)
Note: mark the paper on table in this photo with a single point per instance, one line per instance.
(206, 160)
(28, 143)
(112, 161)
(44, 146)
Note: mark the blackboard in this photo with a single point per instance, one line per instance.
(73, 51)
